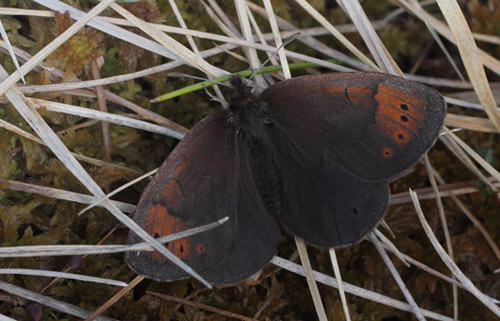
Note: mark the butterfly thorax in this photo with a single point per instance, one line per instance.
(251, 125)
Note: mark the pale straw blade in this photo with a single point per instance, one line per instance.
(52, 46)
(338, 277)
(311, 282)
(449, 262)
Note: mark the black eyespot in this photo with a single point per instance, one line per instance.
(404, 107)
(355, 210)
(156, 235)
(200, 248)
(401, 136)
(404, 118)
(181, 249)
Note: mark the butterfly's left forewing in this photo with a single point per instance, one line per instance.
(338, 139)
(201, 181)
(373, 125)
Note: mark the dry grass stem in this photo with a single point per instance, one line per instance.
(9, 81)
(384, 60)
(470, 57)
(55, 274)
(65, 250)
(392, 269)
(119, 189)
(48, 301)
(311, 282)
(470, 123)
(104, 116)
(62, 194)
(355, 290)
(444, 224)
(388, 244)
(449, 262)
(11, 50)
(203, 306)
(95, 315)
(338, 277)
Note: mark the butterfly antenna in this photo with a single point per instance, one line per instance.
(275, 53)
(214, 98)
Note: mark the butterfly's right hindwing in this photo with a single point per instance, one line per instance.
(204, 180)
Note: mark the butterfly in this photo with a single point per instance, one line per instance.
(313, 153)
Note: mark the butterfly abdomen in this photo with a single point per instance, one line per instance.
(265, 173)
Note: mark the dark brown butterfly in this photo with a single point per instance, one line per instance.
(317, 152)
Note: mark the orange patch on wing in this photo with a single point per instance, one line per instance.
(171, 195)
(180, 248)
(160, 223)
(359, 95)
(359, 90)
(399, 107)
(387, 152)
(334, 89)
(399, 116)
(181, 166)
(416, 103)
(200, 248)
(393, 130)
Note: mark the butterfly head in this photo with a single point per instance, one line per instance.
(245, 112)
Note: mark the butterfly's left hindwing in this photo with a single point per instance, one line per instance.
(321, 202)
(201, 181)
